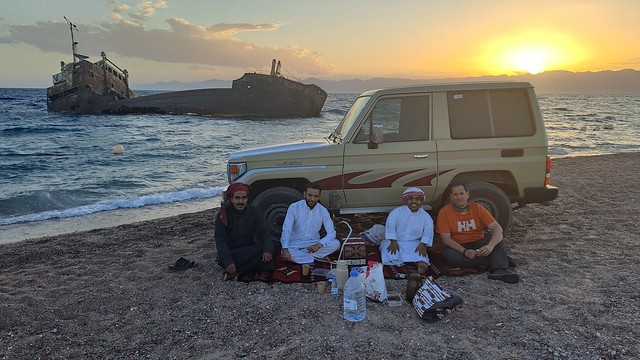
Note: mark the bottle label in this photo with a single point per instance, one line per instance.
(350, 304)
(334, 290)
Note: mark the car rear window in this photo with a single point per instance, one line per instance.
(477, 114)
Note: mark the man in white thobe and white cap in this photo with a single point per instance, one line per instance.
(408, 233)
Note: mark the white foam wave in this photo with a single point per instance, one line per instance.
(107, 205)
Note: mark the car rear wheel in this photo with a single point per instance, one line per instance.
(494, 200)
(274, 203)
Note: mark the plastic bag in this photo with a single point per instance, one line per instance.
(372, 277)
(374, 235)
(432, 302)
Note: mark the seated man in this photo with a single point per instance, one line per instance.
(301, 242)
(242, 237)
(461, 227)
(408, 233)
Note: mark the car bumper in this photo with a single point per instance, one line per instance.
(540, 194)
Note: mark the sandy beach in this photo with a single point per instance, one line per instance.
(108, 293)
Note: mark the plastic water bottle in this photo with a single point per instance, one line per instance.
(355, 301)
(334, 286)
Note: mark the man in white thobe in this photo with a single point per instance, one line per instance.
(408, 233)
(301, 242)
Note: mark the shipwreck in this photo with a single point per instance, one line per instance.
(83, 87)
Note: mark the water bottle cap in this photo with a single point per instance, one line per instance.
(354, 272)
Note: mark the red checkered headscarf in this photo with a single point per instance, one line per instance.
(235, 187)
(231, 189)
(413, 191)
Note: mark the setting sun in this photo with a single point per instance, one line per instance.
(530, 53)
(531, 60)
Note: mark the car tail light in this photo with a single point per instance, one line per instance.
(547, 175)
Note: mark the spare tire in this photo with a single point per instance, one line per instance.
(494, 200)
(274, 203)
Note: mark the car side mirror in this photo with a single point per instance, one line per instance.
(376, 137)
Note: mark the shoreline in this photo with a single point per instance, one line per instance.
(100, 220)
(108, 293)
(54, 227)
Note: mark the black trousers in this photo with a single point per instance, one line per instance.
(249, 258)
(496, 260)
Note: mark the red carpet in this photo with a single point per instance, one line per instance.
(288, 272)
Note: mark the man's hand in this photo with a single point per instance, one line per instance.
(485, 250)
(230, 269)
(266, 257)
(469, 253)
(422, 249)
(393, 247)
(285, 255)
(313, 248)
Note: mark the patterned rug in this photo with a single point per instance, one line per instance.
(288, 272)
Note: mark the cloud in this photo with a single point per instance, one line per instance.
(147, 8)
(183, 42)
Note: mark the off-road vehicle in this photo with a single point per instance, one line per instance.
(489, 134)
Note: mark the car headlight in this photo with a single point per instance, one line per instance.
(235, 170)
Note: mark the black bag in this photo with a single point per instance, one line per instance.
(433, 302)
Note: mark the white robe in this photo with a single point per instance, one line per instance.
(409, 229)
(301, 229)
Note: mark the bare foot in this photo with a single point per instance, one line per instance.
(422, 267)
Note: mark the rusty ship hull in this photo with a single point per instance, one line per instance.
(252, 95)
(82, 87)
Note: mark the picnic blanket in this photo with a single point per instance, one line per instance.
(288, 272)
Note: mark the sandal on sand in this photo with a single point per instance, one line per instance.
(183, 264)
(504, 275)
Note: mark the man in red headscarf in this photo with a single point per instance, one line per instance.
(408, 232)
(242, 235)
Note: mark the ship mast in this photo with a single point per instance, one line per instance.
(74, 44)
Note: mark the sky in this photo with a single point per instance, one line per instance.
(197, 40)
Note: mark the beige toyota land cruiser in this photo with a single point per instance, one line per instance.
(489, 134)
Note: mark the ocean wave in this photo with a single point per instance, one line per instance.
(22, 130)
(336, 111)
(108, 205)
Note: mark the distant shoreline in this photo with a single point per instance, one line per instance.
(558, 82)
(619, 82)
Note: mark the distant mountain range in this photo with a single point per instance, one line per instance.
(551, 82)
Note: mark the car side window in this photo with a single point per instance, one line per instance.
(401, 118)
(477, 114)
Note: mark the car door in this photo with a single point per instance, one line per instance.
(405, 156)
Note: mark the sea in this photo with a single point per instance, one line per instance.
(59, 172)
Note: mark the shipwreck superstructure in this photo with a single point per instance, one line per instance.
(82, 86)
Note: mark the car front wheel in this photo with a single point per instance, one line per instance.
(274, 203)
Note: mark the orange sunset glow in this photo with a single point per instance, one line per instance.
(192, 41)
(531, 53)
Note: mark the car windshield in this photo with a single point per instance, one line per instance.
(347, 122)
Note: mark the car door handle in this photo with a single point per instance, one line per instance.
(420, 156)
